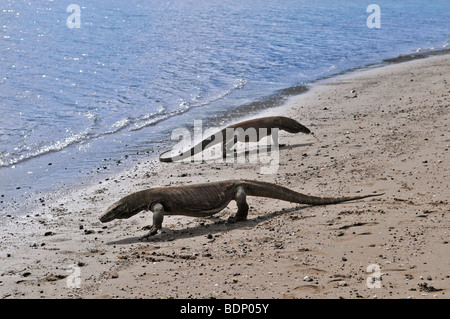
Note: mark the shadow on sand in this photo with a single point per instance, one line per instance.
(219, 226)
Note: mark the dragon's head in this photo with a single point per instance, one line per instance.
(291, 126)
(121, 209)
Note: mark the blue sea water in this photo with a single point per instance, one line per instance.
(79, 100)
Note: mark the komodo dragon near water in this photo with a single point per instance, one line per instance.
(268, 123)
(201, 200)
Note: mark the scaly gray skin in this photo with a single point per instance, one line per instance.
(268, 123)
(201, 200)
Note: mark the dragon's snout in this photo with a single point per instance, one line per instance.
(293, 126)
(114, 211)
(122, 209)
(105, 218)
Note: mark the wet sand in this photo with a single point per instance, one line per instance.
(381, 130)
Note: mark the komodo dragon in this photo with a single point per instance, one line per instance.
(201, 200)
(268, 123)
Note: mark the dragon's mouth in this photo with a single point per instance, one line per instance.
(106, 217)
(121, 210)
(112, 212)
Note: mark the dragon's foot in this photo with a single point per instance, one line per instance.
(236, 218)
(152, 232)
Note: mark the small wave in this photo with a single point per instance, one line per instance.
(239, 84)
(149, 119)
(183, 106)
(119, 125)
(149, 122)
(7, 159)
(54, 147)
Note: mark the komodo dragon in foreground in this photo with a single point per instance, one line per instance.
(268, 123)
(201, 200)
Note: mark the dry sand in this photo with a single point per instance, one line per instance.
(381, 130)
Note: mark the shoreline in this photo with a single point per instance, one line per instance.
(361, 150)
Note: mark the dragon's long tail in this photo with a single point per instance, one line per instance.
(263, 189)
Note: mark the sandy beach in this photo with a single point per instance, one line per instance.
(384, 130)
